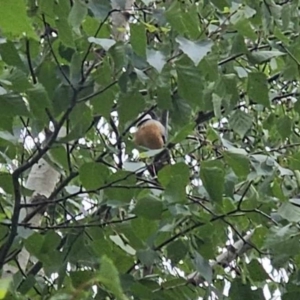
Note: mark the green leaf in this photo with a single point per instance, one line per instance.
(173, 16)
(177, 250)
(77, 14)
(6, 182)
(93, 175)
(106, 44)
(175, 190)
(241, 291)
(19, 80)
(103, 103)
(9, 137)
(257, 272)
(39, 102)
(213, 177)
(289, 212)
(170, 172)
(164, 100)
(257, 88)
(34, 243)
(238, 162)
(144, 228)
(109, 276)
(217, 103)
(244, 28)
(122, 244)
(294, 161)
(156, 59)
(149, 207)
(4, 286)
(46, 6)
(99, 9)
(263, 56)
(138, 39)
(14, 19)
(65, 33)
(147, 257)
(183, 133)
(10, 55)
(59, 155)
(136, 103)
(119, 182)
(51, 83)
(238, 45)
(203, 267)
(190, 20)
(286, 13)
(240, 122)
(189, 83)
(196, 51)
(284, 126)
(119, 56)
(79, 278)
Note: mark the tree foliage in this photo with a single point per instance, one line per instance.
(80, 216)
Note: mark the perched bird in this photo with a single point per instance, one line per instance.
(151, 134)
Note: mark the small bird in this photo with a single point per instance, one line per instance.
(151, 134)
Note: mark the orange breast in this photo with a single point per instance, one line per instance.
(149, 136)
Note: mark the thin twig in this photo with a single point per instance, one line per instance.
(29, 61)
(55, 58)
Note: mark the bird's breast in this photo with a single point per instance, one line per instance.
(149, 136)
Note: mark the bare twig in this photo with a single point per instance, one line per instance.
(30, 62)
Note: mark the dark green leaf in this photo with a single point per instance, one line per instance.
(10, 55)
(135, 102)
(241, 291)
(149, 208)
(240, 122)
(119, 182)
(147, 257)
(284, 126)
(6, 182)
(190, 83)
(238, 162)
(109, 276)
(39, 102)
(213, 176)
(65, 32)
(177, 251)
(138, 39)
(77, 14)
(203, 267)
(93, 175)
(258, 88)
(257, 272)
(179, 170)
(12, 105)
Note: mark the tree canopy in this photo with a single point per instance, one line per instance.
(80, 215)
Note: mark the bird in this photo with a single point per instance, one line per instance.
(151, 134)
